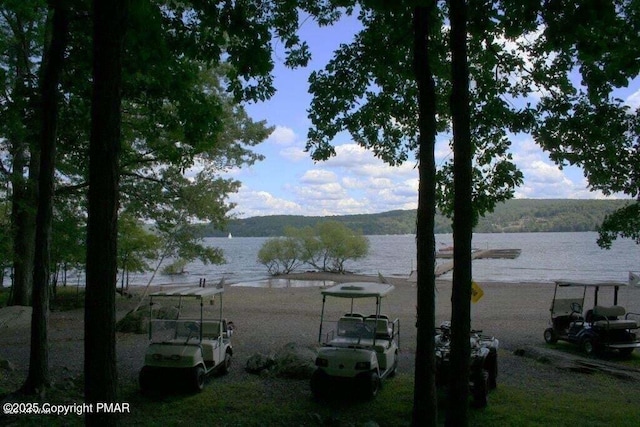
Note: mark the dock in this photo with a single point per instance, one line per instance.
(481, 254)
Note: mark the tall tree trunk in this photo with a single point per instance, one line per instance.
(25, 154)
(458, 412)
(425, 398)
(23, 202)
(100, 355)
(38, 377)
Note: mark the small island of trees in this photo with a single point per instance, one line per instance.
(325, 247)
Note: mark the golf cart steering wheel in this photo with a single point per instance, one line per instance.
(575, 307)
(193, 329)
(364, 330)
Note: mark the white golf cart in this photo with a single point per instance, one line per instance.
(362, 349)
(596, 330)
(188, 347)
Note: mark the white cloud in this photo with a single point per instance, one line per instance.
(260, 203)
(294, 154)
(318, 176)
(326, 191)
(634, 99)
(283, 135)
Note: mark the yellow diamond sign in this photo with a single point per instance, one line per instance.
(476, 292)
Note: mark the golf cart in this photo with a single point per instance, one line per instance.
(185, 349)
(362, 349)
(484, 362)
(599, 329)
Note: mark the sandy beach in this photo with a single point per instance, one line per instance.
(268, 318)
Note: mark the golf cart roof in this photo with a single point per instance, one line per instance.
(358, 290)
(590, 284)
(191, 291)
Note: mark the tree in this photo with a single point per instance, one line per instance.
(280, 255)
(5, 241)
(334, 245)
(99, 338)
(38, 377)
(425, 408)
(135, 247)
(326, 247)
(21, 35)
(463, 218)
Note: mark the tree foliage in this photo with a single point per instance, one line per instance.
(280, 255)
(326, 247)
(136, 247)
(372, 94)
(583, 122)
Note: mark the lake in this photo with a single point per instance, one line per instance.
(545, 257)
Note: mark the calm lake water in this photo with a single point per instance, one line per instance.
(545, 257)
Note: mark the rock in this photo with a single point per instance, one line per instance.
(5, 365)
(291, 361)
(258, 363)
(294, 361)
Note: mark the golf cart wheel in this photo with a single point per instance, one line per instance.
(198, 377)
(550, 336)
(480, 390)
(588, 346)
(491, 366)
(226, 363)
(371, 385)
(318, 384)
(145, 379)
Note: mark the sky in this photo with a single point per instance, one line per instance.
(288, 182)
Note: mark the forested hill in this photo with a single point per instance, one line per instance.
(520, 215)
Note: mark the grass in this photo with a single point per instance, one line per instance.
(66, 298)
(275, 402)
(512, 406)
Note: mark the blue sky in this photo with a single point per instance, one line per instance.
(288, 182)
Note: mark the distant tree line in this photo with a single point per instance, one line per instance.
(512, 216)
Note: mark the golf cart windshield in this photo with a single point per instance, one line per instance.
(177, 315)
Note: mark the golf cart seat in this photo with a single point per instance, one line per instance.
(188, 327)
(609, 318)
(210, 329)
(380, 325)
(348, 325)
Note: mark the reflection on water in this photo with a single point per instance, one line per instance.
(285, 283)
